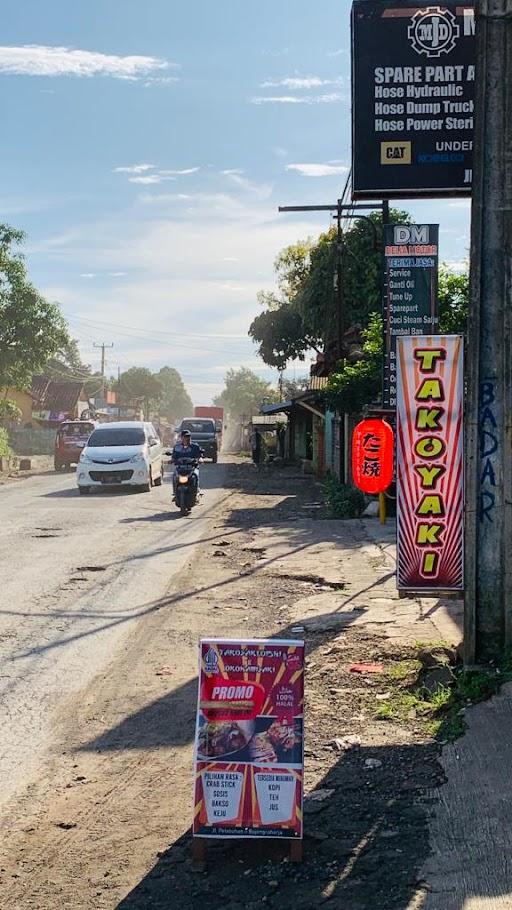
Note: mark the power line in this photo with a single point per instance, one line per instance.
(158, 340)
(162, 332)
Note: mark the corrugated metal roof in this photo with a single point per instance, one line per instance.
(316, 383)
(55, 396)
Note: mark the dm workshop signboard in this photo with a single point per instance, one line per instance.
(411, 255)
(413, 86)
(249, 739)
(430, 463)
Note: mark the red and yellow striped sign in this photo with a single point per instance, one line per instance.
(430, 463)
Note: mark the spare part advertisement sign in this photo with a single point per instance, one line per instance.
(413, 86)
(249, 739)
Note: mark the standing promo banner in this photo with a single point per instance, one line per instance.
(249, 739)
(430, 463)
(413, 87)
(411, 257)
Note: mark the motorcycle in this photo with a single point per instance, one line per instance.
(186, 484)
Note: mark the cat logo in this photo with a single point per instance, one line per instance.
(395, 153)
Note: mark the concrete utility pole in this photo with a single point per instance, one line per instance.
(103, 346)
(488, 544)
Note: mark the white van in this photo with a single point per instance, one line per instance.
(125, 453)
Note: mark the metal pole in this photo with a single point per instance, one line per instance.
(488, 527)
(340, 324)
(385, 221)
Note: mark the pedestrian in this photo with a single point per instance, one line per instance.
(256, 446)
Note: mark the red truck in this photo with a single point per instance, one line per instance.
(217, 414)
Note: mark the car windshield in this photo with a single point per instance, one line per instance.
(198, 426)
(76, 429)
(121, 436)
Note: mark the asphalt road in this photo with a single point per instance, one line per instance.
(75, 575)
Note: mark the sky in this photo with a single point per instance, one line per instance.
(145, 150)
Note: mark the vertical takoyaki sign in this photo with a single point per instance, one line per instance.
(249, 739)
(430, 463)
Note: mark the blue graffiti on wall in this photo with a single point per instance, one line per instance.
(488, 445)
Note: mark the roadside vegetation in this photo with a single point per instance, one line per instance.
(427, 686)
(343, 500)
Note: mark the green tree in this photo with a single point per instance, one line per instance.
(244, 393)
(359, 385)
(293, 387)
(302, 315)
(32, 330)
(453, 295)
(175, 402)
(139, 384)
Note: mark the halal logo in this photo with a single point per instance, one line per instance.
(433, 31)
(211, 661)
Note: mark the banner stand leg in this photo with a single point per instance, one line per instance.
(198, 854)
(296, 851)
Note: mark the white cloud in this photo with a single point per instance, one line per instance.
(333, 98)
(280, 152)
(88, 275)
(139, 173)
(297, 82)
(117, 274)
(182, 173)
(318, 170)
(338, 53)
(134, 169)
(149, 179)
(234, 170)
(41, 60)
(161, 80)
(261, 190)
(457, 265)
(230, 259)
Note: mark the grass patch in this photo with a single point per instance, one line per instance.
(437, 709)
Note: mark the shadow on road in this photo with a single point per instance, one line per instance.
(364, 846)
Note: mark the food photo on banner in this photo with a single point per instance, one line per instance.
(413, 88)
(430, 495)
(249, 739)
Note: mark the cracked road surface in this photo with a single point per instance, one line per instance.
(76, 575)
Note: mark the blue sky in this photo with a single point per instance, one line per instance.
(145, 150)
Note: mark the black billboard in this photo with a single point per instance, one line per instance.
(413, 86)
(411, 254)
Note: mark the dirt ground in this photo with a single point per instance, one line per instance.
(107, 827)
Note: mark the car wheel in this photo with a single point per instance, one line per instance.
(57, 465)
(159, 479)
(84, 490)
(145, 487)
(214, 458)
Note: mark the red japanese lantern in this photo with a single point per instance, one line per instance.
(372, 455)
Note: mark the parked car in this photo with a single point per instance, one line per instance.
(202, 431)
(70, 440)
(125, 453)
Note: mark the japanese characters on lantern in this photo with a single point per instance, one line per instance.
(372, 455)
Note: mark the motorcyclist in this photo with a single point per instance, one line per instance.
(186, 449)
